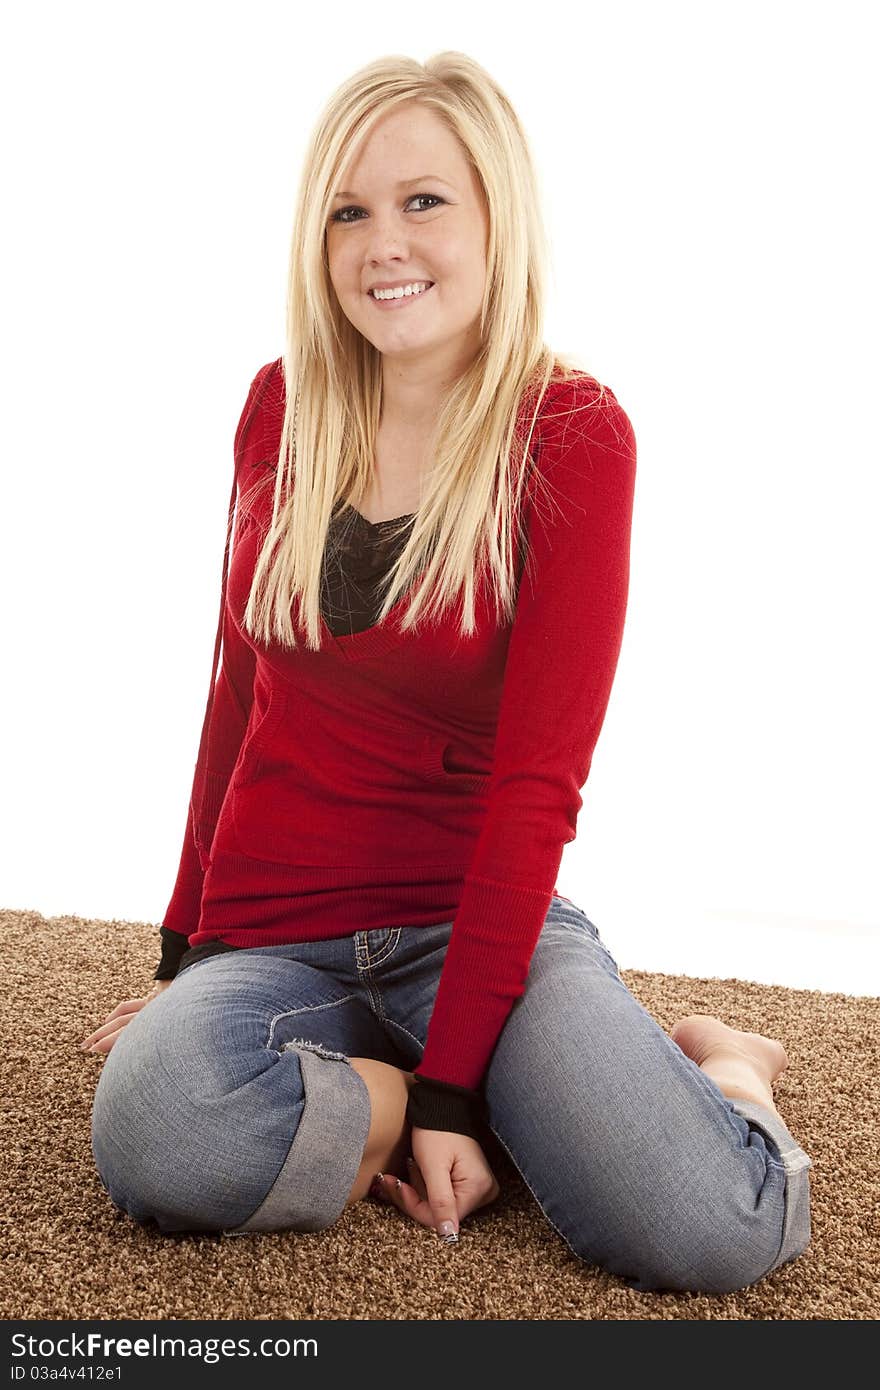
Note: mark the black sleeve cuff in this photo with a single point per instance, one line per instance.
(173, 947)
(441, 1105)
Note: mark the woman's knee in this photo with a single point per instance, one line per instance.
(677, 1267)
(174, 1136)
(715, 1247)
(221, 1146)
(692, 1271)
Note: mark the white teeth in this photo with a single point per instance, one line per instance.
(401, 291)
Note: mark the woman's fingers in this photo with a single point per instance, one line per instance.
(124, 1012)
(114, 1022)
(105, 1043)
(416, 1179)
(103, 1032)
(128, 1006)
(404, 1195)
(132, 1007)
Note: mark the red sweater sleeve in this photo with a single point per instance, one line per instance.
(233, 696)
(225, 720)
(561, 660)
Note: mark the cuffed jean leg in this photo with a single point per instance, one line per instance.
(784, 1149)
(316, 1178)
(228, 1103)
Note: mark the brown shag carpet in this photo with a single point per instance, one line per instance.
(70, 1255)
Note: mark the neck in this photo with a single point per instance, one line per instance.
(413, 391)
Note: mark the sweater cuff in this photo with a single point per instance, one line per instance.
(173, 947)
(441, 1105)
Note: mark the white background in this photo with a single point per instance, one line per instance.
(709, 179)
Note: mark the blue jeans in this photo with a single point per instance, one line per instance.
(229, 1104)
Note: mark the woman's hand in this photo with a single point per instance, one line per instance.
(104, 1037)
(448, 1178)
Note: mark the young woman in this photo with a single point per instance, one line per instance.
(367, 969)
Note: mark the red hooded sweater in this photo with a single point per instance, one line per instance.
(396, 779)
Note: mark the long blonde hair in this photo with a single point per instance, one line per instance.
(468, 518)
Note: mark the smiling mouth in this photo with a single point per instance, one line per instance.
(398, 303)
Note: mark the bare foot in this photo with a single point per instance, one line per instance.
(742, 1065)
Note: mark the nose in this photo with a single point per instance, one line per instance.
(387, 240)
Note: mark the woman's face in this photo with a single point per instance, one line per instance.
(411, 210)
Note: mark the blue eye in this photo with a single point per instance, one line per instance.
(338, 217)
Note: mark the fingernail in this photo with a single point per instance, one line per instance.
(399, 1183)
(447, 1232)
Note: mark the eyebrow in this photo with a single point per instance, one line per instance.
(404, 183)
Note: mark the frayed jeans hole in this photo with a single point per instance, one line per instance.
(315, 1047)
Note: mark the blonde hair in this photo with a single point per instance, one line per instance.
(467, 524)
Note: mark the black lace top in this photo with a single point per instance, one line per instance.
(359, 556)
